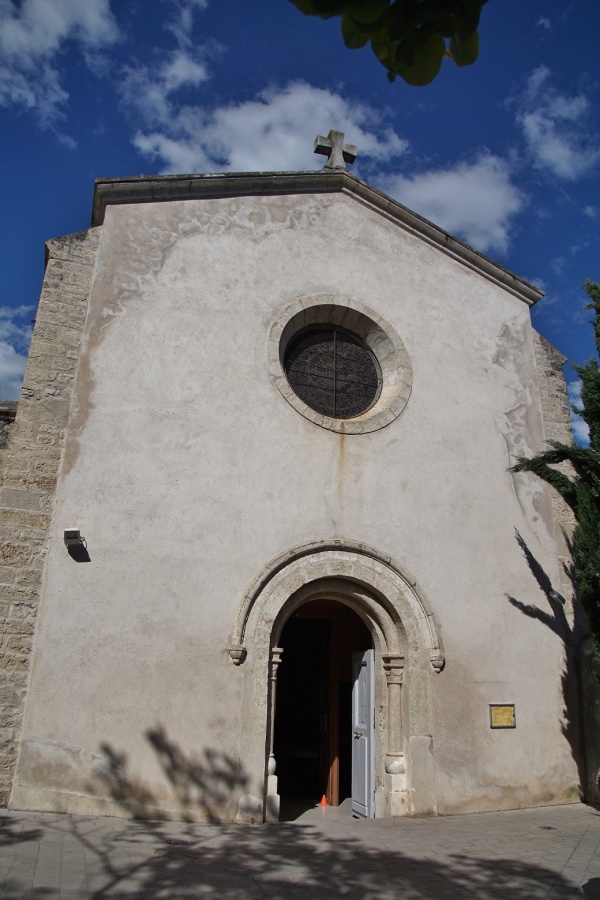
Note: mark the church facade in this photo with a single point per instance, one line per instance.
(260, 538)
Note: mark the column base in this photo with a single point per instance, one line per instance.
(394, 796)
(273, 800)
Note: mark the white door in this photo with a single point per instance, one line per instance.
(363, 733)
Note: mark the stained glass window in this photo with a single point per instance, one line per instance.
(332, 372)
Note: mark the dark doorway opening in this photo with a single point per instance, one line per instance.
(313, 715)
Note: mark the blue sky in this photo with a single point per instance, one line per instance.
(505, 153)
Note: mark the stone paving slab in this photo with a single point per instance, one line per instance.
(551, 853)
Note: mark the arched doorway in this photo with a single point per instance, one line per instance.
(406, 653)
(313, 716)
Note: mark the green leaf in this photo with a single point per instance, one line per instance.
(305, 6)
(448, 26)
(354, 36)
(366, 12)
(464, 53)
(382, 48)
(408, 37)
(472, 13)
(428, 60)
(325, 9)
(540, 465)
(405, 52)
(400, 20)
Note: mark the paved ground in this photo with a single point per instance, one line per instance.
(552, 852)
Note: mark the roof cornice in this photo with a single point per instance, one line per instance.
(162, 188)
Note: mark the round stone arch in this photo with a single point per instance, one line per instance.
(408, 653)
(364, 324)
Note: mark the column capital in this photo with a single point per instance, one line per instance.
(393, 666)
(276, 654)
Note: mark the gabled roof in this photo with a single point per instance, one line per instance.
(162, 188)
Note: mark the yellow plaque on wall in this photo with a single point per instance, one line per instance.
(502, 715)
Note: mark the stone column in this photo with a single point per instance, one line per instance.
(395, 766)
(272, 800)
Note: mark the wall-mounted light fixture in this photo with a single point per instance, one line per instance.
(76, 545)
(73, 537)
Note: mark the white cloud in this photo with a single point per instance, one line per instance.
(268, 133)
(32, 35)
(153, 91)
(150, 89)
(12, 368)
(580, 429)
(15, 325)
(554, 128)
(579, 247)
(544, 23)
(273, 131)
(538, 283)
(181, 25)
(475, 200)
(182, 70)
(590, 211)
(15, 335)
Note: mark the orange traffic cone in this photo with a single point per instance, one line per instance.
(323, 802)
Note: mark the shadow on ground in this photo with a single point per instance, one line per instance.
(151, 859)
(369, 859)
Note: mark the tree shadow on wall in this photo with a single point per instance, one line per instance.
(555, 619)
(353, 859)
(202, 786)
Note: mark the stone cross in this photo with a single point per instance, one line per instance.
(334, 147)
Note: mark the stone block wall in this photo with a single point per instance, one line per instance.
(31, 469)
(8, 412)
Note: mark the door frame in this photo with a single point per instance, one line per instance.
(388, 766)
(403, 629)
(343, 639)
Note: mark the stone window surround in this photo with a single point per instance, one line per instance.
(374, 331)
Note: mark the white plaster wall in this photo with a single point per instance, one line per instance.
(187, 472)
